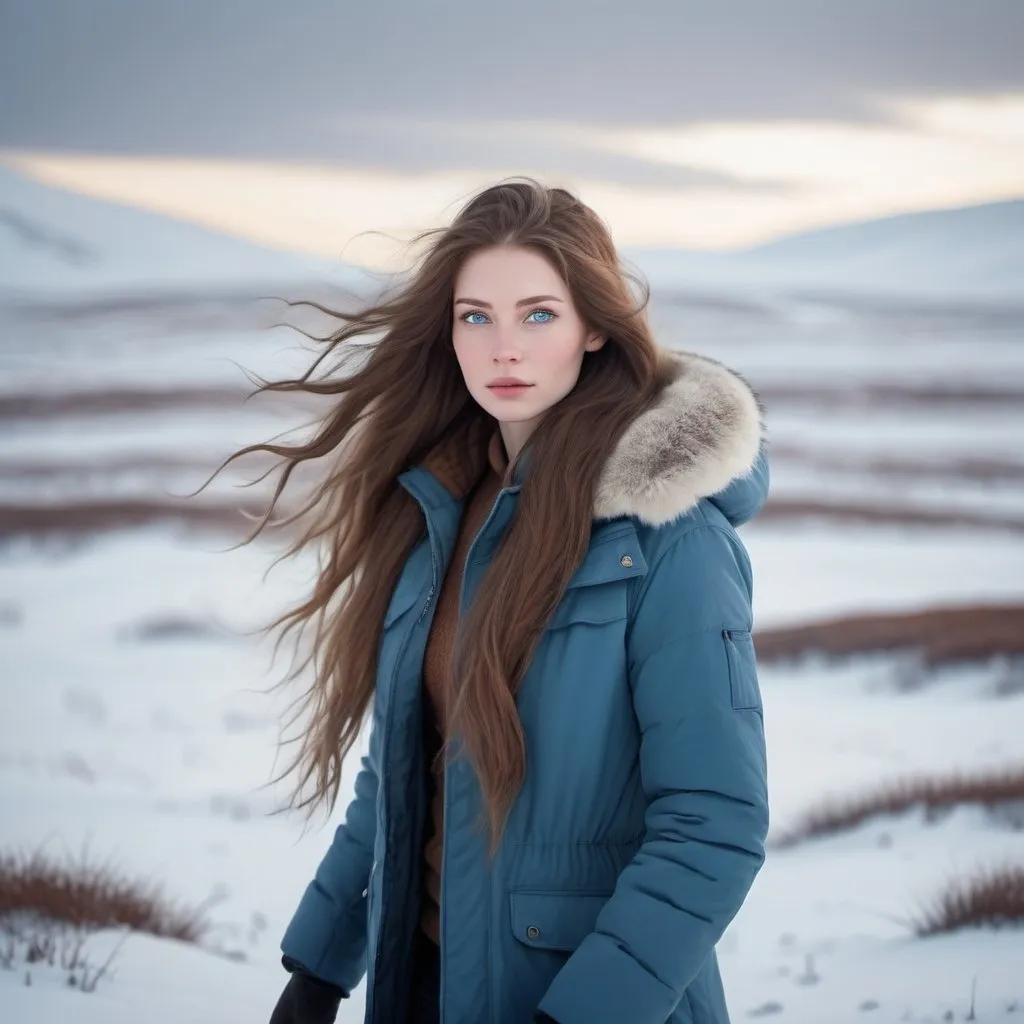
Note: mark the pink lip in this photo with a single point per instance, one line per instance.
(508, 390)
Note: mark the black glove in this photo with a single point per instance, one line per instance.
(307, 999)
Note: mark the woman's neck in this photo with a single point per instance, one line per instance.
(515, 435)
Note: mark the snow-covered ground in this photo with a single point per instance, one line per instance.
(156, 749)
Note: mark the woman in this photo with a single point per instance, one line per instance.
(530, 533)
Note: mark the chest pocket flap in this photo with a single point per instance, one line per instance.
(598, 590)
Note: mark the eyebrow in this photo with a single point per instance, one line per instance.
(522, 302)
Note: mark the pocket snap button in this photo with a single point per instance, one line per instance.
(625, 561)
(533, 932)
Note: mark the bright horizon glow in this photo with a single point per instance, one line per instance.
(938, 153)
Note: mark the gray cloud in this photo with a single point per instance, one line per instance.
(416, 146)
(338, 80)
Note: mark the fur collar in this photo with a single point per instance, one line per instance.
(703, 431)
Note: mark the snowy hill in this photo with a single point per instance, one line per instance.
(55, 241)
(972, 252)
(52, 240)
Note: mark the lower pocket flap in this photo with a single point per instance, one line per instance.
(555, 920)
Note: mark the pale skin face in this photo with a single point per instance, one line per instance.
(514, 317)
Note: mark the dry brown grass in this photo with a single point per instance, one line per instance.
(887, 514)
(934, 794)
(83, 518)
(945, 469)
(86, 518)
(942, 635)
(992, 898)
(91, 896)
(882, 394)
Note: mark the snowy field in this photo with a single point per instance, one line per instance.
(155, 751)
(155, 746)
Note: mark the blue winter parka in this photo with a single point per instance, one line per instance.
(642, 820)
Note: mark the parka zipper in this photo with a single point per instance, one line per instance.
(433, 575)
(371, 998)
(399, 658)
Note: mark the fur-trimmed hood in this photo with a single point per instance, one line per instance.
(703, 432)
(701, 437)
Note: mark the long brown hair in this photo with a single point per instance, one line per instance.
(407, 399)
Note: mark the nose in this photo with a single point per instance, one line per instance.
(507, 347)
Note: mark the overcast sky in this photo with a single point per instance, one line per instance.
(309, 78)
(419, 86)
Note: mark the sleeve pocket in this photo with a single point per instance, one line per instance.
(739, 648)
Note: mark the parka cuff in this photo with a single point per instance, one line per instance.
(326, 940)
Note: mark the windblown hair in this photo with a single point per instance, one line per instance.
(406, 399)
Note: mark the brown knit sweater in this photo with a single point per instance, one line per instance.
(436, 668)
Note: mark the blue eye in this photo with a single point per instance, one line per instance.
(546, 317)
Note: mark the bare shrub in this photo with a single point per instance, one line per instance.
(934, 793)
(992, 898)
(32, 940)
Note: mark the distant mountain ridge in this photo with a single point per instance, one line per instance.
(971, 251)
(53, 240)
(57, 241)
